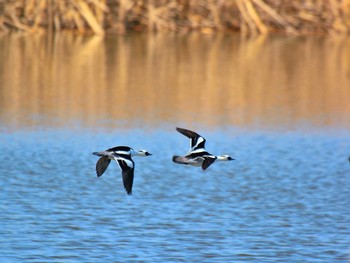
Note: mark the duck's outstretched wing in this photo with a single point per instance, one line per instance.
(197, 141)
(127, 167)
(208, 161)
(102, 165)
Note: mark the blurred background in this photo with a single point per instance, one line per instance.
(267, 82)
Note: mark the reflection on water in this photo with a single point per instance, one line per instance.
(284, 199)
(210, 79)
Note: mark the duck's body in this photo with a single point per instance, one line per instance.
(122, 155)
(197, 155)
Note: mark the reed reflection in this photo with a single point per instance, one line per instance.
(134, 80)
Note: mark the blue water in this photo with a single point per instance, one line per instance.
(284, 199)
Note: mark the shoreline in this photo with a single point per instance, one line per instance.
(106, 16)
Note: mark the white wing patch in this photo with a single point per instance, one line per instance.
(123, 161)
(129, 163)
(123, 152)
(200, 139)
(197, 151)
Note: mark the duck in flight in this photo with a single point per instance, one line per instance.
(197, 155)
(122, 155)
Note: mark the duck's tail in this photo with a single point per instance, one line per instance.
(99, 153)
(179, 159)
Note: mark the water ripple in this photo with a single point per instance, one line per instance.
(285, 199)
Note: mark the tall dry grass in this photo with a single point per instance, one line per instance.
(252, 16)
(35, 15)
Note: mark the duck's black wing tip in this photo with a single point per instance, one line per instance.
(207, 162)
(102, 165)
(197, 141)
(127, 166)
(128, 179)
(188, 133)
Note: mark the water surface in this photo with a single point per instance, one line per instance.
(279, 105)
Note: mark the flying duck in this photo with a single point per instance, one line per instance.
(122, 155)
(197, 155)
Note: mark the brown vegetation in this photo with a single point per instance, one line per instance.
(252, 16)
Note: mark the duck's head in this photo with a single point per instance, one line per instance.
(225, 157)
(143, 153)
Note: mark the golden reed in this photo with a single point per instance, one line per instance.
(250, 16)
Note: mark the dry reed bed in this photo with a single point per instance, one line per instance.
(251, 16)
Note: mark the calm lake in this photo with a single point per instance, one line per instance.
(280, 105)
